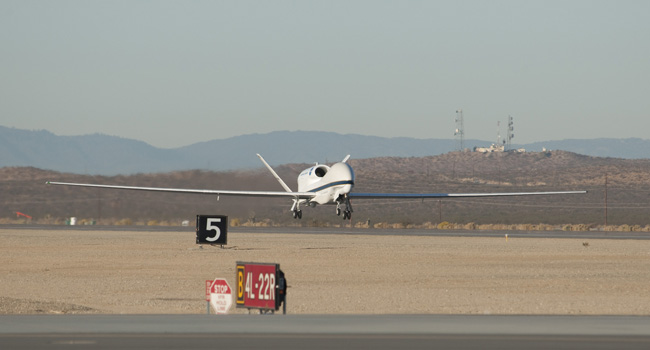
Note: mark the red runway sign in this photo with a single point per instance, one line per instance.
(257, 286)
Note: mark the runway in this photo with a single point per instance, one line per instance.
(301, 331)
(354, 231)
(323, 331)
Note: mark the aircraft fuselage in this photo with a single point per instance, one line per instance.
(328, 183)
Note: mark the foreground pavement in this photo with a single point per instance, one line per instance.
(323, 331)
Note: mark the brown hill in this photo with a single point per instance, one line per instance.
(24, 190)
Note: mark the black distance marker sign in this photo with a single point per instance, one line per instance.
(211, 229)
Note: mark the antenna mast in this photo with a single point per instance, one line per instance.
(498, 133)
(510, 135)
(460, 130)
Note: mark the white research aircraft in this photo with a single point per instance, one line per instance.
(319, 184)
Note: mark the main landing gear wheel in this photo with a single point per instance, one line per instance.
(297, 214)
(347, 213)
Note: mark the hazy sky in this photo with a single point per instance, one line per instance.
(172, 73)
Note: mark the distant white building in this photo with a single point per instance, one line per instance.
(497, 148)
(493, 148)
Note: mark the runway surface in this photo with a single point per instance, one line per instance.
(355, 231)
(328, 331)
(323, 332)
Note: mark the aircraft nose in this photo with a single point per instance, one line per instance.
(343, 172)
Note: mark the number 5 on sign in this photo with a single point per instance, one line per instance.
(211, 225)
(211, 229)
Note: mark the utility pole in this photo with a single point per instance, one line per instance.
(460, 130)
(99, 206)
(605, 199)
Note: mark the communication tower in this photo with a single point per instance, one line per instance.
(499, 134)
(510, 133)
(460, 130)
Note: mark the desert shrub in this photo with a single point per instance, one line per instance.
(470, 226)
(444, 225)
(380, 225)
(124, 222)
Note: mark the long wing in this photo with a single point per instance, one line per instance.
(452, 195)
(275, 175)
(295, 195)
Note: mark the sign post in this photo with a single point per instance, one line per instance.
(208, 286)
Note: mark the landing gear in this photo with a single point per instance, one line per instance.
(347, 213)
(295, 209)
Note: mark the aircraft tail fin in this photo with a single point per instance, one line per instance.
(277, 177)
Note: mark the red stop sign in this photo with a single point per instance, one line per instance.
(220, 286)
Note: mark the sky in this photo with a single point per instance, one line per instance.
(174, 73)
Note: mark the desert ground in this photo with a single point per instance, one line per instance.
(113, 272)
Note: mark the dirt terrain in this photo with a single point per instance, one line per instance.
(111, 272)
(617, 193)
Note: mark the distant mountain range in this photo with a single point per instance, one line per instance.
(100, 154)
